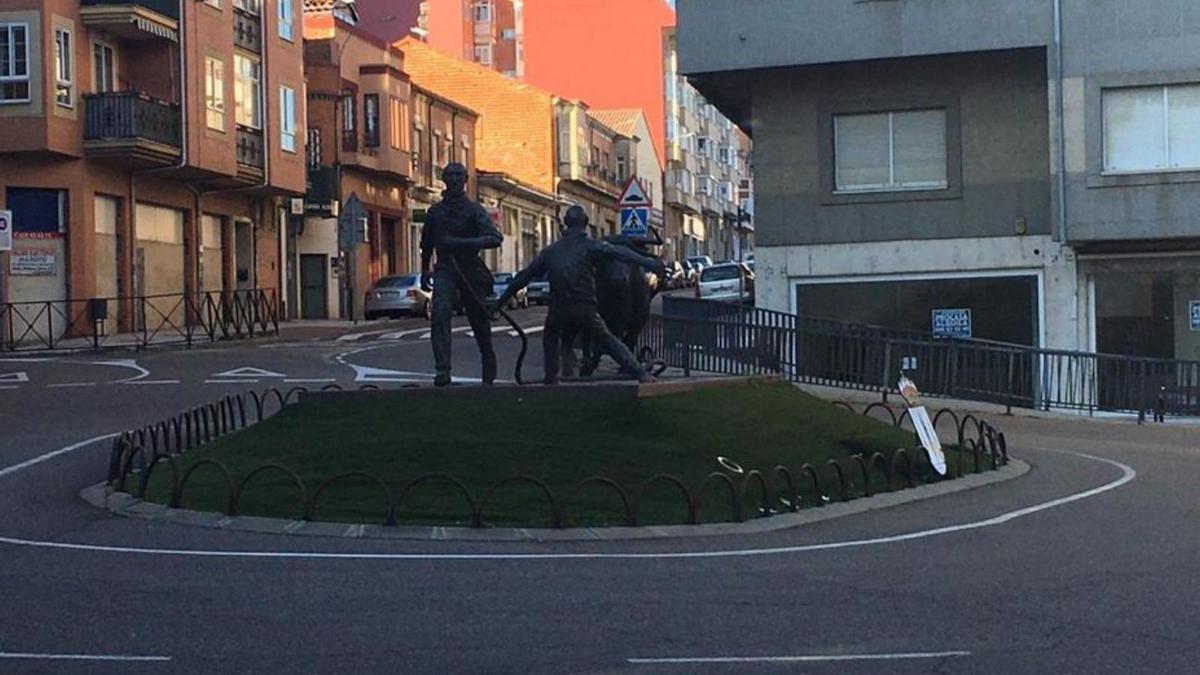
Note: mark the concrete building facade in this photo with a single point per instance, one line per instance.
(1033, 161)
(148, 148)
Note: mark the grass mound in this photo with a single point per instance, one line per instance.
(559, 441)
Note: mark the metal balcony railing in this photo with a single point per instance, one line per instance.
(130, 115)
(249, 147)
(168, 8)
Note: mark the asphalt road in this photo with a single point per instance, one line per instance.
(1086, 564)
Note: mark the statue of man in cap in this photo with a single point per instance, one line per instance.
(457, 229)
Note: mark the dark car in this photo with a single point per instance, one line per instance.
(538, 290)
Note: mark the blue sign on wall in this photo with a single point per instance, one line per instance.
(953, 323)
(1195, 311)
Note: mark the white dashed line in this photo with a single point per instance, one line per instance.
(71, 384)
(149, 382)
(29, 656)
(818, 658)
(310, 380)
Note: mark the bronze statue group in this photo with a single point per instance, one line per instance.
(457, 229)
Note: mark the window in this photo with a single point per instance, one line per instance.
(371, 120)
(250, 6)
(349, 116)
(483, 55)
(104, 63)
(64, 94)
(890, 151)
(214, 93)
(1152, 128)
(483, 11)
(622, 169)
(246, 91)
(14, 63)
(508, 34)
(287, 119)
(213, 3)
(286, 30)
(400, 125)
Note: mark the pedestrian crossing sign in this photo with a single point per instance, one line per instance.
(635, 221)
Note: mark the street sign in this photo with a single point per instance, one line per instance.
(635, 221)
(1195, 312)
(952, 323)
(634, 195)
(350, 223)
(6, 230)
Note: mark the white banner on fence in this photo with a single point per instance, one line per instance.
(929, 438)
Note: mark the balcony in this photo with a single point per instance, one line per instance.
(247, 31)
(131, 125)
(249, 153)
(133, 19)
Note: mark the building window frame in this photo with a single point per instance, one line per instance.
(829, 108)
(371, 114)
(481, 11)
(104, 67)
(287, 118)
(249, 6)
(1165, 117)
(214, 92)
(287, 28)
(247, 88)
(483, 55)
(16, 64)
(64, 67)
(893, 183)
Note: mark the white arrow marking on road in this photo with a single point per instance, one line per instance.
(125, 363)
(14, 378)
(372, 374)
(248, 371)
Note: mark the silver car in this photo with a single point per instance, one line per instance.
(726, 281)
(396, 296)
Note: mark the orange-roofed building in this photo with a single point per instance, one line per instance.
(514, 150)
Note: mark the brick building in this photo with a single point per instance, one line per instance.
(360, 164)
(148, 147)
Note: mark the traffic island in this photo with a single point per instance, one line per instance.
(725, 450)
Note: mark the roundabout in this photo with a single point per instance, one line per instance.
(1083, 561)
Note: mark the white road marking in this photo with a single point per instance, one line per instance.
(818, 658)
(125, 363)
(80, 657)
(51, 455)
(14, 378)
(310, 380)
(372, 374)
(247, 372)
(495, 329)
(401, 334)
(1127, 475)
(528, 331)
(147, 382)
(71, 384)
(9, 387)
(231, 382)
(26, 360)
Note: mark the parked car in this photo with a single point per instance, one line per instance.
(676, 276)
(394, 296)
(726, 281)
(538, 290)
(501, 280)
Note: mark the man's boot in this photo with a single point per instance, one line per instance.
(442, 379)
(489, 369)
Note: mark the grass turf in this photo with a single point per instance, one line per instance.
(560, 441)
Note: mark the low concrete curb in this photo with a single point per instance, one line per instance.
(120, 503)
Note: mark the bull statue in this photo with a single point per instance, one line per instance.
(624, 293)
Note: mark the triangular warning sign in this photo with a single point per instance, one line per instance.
(633, 194)
(249, 371)
(13, 378)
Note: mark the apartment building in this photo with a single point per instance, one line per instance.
(1034, 162)
(488, 32)
(360, 166)
(148, 147)
(513, 148)
(705, 162)
(587, 153)
(636, 157)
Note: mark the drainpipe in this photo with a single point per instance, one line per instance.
(131, 246)
(1060, 123)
